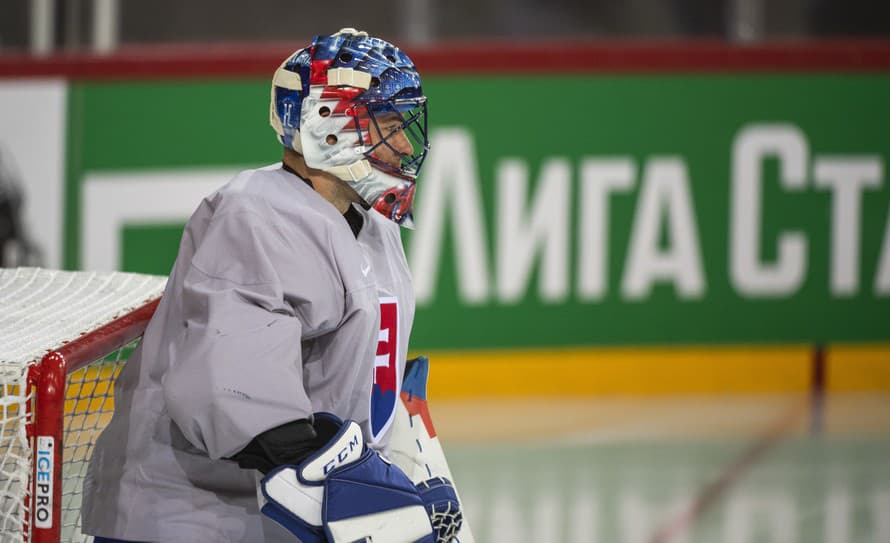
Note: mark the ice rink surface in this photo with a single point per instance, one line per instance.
(764, 469)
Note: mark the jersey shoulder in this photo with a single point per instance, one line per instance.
(279, 196)
(382, 232)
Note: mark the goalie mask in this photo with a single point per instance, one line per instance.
(352, 105)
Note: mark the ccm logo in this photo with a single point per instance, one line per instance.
(43, 487)
(342, 455)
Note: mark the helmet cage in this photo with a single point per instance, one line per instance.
(387, 140)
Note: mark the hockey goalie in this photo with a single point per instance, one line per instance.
(263, 403)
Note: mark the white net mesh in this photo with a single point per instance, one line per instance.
(40, 311)
(15, 463)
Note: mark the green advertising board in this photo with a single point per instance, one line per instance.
(567, 210)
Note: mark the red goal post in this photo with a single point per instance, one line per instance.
(64, 337)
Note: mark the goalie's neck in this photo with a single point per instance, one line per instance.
(332, 189)
(353, 218)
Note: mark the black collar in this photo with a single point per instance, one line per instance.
(355, 220)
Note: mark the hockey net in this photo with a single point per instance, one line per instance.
(64, 337)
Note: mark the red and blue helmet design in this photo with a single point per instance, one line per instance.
(353, 106)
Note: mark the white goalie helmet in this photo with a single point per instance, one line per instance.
(353, 106)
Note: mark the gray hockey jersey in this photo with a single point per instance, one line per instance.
(274, 310)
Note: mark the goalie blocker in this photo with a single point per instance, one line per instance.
(346, 492)
(294, 495)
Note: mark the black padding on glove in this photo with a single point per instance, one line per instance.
(289, 443)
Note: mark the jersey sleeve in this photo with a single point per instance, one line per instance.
(236, 365)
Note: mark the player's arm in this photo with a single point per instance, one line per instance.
(235, 369)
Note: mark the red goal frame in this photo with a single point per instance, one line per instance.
(47, 381)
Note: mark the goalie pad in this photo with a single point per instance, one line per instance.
(415, 448)
(346, 493)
